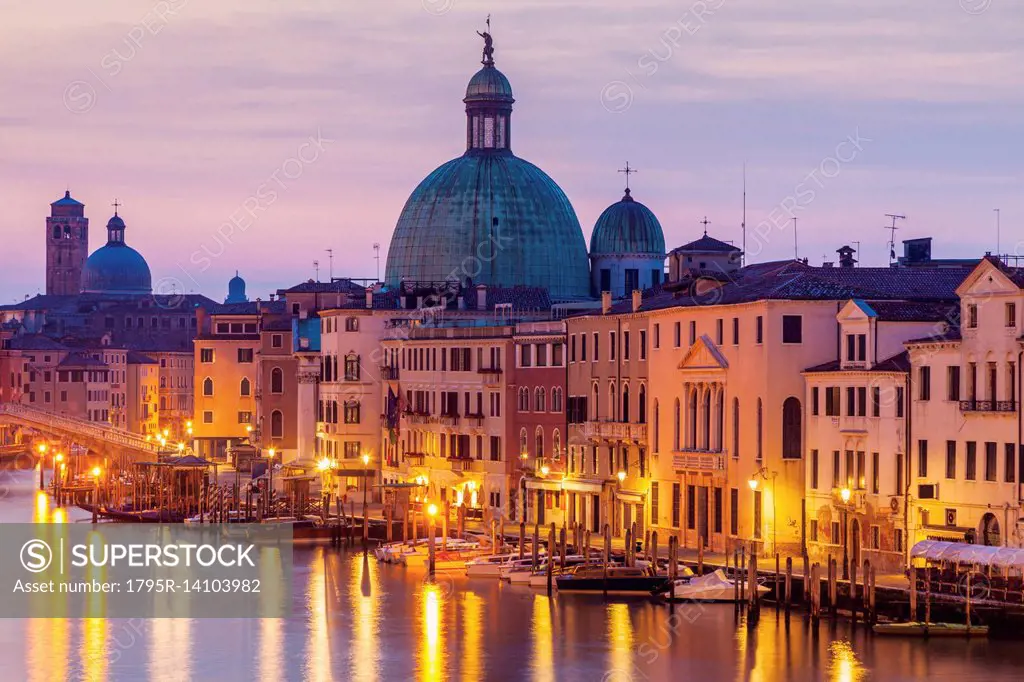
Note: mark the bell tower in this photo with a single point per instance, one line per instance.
(67, 246)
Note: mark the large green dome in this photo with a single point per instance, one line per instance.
(489, 216)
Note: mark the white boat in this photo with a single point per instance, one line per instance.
(488, 566)
(713, 587)
(540, 577)
(517, 566)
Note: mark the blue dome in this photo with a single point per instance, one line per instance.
(496, 219)
(627, 227)
(236, 290)
(116, 269)
(488, 84)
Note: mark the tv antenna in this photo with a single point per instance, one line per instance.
(330, 263)
(892, 234)
(997, 231)
(858, 252)
(316, 269)
(376, 257)
(796, 250)
(743, 223)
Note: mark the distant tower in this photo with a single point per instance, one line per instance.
(67, 246)
(846, 259)
(236, 290)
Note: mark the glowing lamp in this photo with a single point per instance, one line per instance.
(366, 460)
(845, 495)
(96, 471)
(544, 471)
(432, 510)
(752, 483)
(621, 475)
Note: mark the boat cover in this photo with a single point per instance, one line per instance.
(961, 553)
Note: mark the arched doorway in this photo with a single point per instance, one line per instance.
(990, 531)
(855, 559)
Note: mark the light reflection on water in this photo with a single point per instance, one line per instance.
(357, 619)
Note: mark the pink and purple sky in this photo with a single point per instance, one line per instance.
(191, 112)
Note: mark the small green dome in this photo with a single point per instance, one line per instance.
(489, 84)
(627, 227)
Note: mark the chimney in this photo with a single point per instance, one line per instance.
(637, 298)
(369, 298)
(846, 259)
(606, 302)
(200, 320)
(481, 297)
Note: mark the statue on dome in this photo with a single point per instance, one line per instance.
(488, 45)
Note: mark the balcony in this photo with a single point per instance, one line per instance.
(615, 431)
(417, 417)
(491, 375)
(448, 420)
(415, 458)
(698, 460)
(388, 373)
(464, 464)
(475, 420)
(988, 406)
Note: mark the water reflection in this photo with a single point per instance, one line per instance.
(364, 594)
(318, 649)
(431, 655)
(543, 640)
(472, 629)
(620, 641)
(844, 665)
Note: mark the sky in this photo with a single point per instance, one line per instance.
(254, 135)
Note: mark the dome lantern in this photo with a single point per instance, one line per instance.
(116, 269)
(489, 103)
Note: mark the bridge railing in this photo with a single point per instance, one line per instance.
(108, 434)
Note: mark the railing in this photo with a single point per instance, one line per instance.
(415, 458)
(489, 370)
(79, 427)
(448, 420)
(475, 420)
(615, 431)
(696, 460)
(388, 373)
(988, 405)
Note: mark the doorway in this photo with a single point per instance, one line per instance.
(990, 535)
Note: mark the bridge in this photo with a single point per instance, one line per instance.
(99, 437)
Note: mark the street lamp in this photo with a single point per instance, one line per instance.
(621, 475)
(544, 470)
(270, 468)
(42, 458)
(844, 495)
(765, 474)
(96, 471)
(431, 513)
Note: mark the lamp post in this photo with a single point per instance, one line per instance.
(366, 509)
(270, 483)
(765, 474)
(621, 475)
(42, 460)
(431, 514)
(844, 495)
(58, 460)
(96, 473)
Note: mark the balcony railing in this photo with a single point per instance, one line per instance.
(698, 460)
(618, 431)
(988, 405)
(475, 420)
(388, 373)
(489, 370)
(448, 420)
(415, 458)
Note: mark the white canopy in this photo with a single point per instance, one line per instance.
(958, 552)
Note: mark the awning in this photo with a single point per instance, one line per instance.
(963, 553)
(630, 496)
(541, 484)
(578, 486)
(952, 534)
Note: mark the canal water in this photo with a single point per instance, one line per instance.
(360, 620)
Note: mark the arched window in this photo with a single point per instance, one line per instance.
(791, 428)
(691, 419)
(163, 403)
(276, 424)
(351, 324)
(642, 406)
(735, 427)
(556, 444)
(524, 399)
(719, 420)
(538, 399)
(657, 428)
(612, 395)
(277, 380)
(246, 388)
(163, 382)
(207, 386)
(351, 367)
(539, 436)
(675, 431)
(760, 429)
(706, 426)
(624, 415)
(556, 399)
(594, 408)
(523, 446)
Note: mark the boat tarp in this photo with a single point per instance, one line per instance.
(961, 553)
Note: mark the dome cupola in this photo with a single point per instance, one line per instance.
(116, 269)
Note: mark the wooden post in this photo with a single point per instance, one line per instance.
(777, 578)
(912, 616)
(700, 556)
(737, 577)
(388, 513)
(551, 553)
(501, 532)
(628, 558)
(607, 556)
(536, 544)
(866, 591)
(673, 566)
(752, 579)
(430, 548)
(853, 592)
(807, 572)
(561, 543)
(653, 555)
(927, 597)
(586, 548)
(742, 570)
(352, 515)
(494, 537)
(647, 545)
(967, 597)
(522, 539)
(815, 592)
(872, 605)
(446, 510)
(789, 582)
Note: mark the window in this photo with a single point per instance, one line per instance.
(208, 417)
(678, 334)
(207, 386)
(972, 316)
(832, 401)
(611, 345)
(351, 367)
(849, 468)
(572, 348)
(899, 474)
(899, 401)
(556, 399)
(735, 428)
(654, 503)
(925, 383)
(596, 347)
(814, 469)
(874, 473)
(760, 430)
(643, 344)
(953, 382)
(971, 473)
(735, 331)
(351, 412)
(990, 461)
(812, 532)
(206, 355)
(244, 355)
(693, 332)
(717, 509)
(851, 399)
(657, 335)
(757, 514)
(814, 401)
(861, 471)
(277, 380)
(792, 329)
(583, 347)
(1009, 464)
(922, 458)
(759, 330)
(691, 507)
(276, 341)
(734, 511)
(951, 459)
(539, 400)
(353, 448)
(791, 428)
(876, 401)
(625, 345)
(351, 324)
(245, 389)
(1011, 314)
(862, 401)
(276, 424)
(245, 417)
(676, 494)
(836, 472)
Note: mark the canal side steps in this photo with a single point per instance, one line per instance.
(77, 429)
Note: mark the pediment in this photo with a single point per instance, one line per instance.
(703, 355)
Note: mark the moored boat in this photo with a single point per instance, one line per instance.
(713, 587)
(916, 629)
(614, 580)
